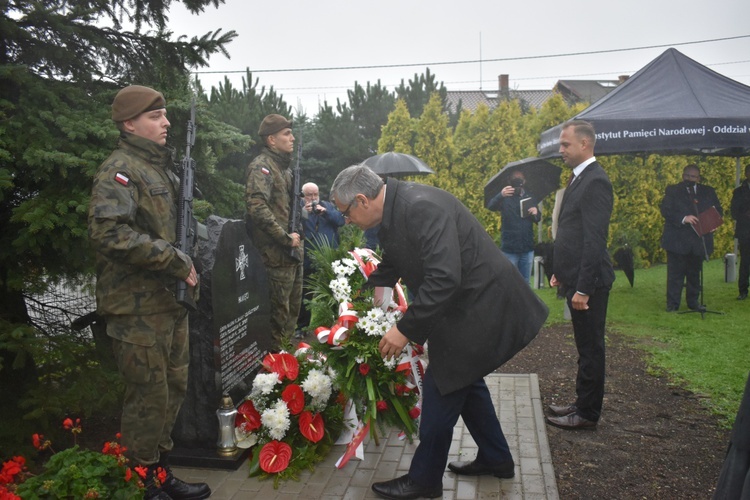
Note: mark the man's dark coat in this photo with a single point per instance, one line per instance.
(740, 208)
(581, 260)
(470, 303)
(677, 203)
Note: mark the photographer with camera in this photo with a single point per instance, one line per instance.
(517, 228)
(321, 222)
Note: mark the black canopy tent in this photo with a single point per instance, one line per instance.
(673, 105)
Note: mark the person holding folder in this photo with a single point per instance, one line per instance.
(682, 239)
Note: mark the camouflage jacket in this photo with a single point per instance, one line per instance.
(268, 194)
(132, 219)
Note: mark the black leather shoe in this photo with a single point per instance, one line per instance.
(742, 296)
(403, 488)
(572, 421)
(562, 411)
(505, 470)
(180, 490)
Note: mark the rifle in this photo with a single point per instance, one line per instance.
(295, 221)
(187, 227)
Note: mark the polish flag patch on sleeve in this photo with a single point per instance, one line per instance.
(122, 178)
(265, 170)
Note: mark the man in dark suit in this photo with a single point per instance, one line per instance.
(583, 270)
(685, 249)
(469, 302)
(741, 214)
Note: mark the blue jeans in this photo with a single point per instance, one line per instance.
(522, 261)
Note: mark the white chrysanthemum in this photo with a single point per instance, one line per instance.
(344, 267)
(359, 359)
(390, 362)
(318, 385)
(276, 420)
(263, 384)
(376, 314)
(341, 289)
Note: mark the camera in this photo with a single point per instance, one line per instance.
(315, 207)
(516, 182)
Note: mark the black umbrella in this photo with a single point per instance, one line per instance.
(624, 258)
(542, 178)
(393, 164)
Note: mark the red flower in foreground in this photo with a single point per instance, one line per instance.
(142, 471)
(161, 475)
(11, 469)
(247, 417)
(67, 424)
(364, 369)
(294, 398)
(38, 441)
(312, 427)
(381, 405)
(414, 412)
(274, 456)
(285, 365)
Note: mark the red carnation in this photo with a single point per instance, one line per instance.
(274, 457)
(381, 405)
(248, 418)
(414, 412)
(364, 369)
(294, 398)
(312, 427)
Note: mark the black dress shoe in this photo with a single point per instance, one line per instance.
(403, 488)
(742, 296)
(505, 470)
(562, 411)
(671, 309)
(180, 490)
(572, 421)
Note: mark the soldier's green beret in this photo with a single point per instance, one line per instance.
(272, 124)
(134, 100)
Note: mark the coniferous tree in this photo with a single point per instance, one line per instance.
(61, 64)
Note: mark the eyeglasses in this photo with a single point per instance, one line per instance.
(345, 213)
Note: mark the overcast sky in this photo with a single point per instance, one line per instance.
(466, 44)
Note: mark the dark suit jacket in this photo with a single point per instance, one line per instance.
(741, 211)
(470, 302)
(581, 261)
(677, 203)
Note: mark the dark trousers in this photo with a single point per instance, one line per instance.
(683, 269)
(588, 329)
(440, 414)
(744, 276)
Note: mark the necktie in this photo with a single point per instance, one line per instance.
(570, 179)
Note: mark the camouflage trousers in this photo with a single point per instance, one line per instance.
(152, 354)
(285, 286)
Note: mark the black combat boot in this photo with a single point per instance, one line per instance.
(178, 489)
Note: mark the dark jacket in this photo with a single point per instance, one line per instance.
(580, 257)
(470, 302)
(319, 228)
(516, 232)
(740, 208)
(677, 203)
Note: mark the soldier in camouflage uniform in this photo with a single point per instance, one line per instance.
(132, 222)
(269, 197)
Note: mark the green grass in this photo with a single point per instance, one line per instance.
(709, 356)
